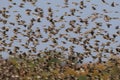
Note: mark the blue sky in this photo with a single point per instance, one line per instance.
(86, 12)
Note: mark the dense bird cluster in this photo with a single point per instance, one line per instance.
(80, 30)
(52, 66)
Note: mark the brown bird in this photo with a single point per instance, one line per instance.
(28, 11)
(107, 18)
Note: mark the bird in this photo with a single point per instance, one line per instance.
(28, 11)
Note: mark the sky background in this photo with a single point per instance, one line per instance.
(58, 11)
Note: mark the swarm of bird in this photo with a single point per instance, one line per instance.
(66, 40)
(51, 65)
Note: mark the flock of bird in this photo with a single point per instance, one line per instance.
(27, 29)
(81, 30)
